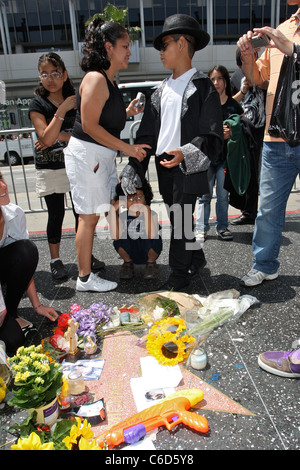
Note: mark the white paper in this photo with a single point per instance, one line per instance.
(157, 376)
(139, 394)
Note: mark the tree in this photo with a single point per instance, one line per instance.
(118, 15)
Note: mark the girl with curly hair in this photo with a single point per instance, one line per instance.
(91, 152)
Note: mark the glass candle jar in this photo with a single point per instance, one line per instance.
(198, 359)
(76, 383)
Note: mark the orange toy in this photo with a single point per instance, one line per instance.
(169, 412)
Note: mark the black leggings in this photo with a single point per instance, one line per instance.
(18, 262)
(56, 212)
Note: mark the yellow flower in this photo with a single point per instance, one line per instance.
(78, 430)
(25, 360)
(172, 324)
(45, 368)
(33, 442)
(18, 377)
(2, 389)
(84, 444)
(25, 376)
(187, 339)
(39, 380)
(147, 318)
(167, 349)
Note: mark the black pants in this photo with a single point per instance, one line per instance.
(184, 251)
(18, 262)
(56, 212)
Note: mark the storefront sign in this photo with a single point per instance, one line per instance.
(18, 102)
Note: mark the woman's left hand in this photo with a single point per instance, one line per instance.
(47, 312)
(132, 109)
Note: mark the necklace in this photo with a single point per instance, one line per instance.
(54, 102)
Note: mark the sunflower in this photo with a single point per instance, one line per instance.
(78, 431)
(167, 349)
(169, 324)
(84, 444)
(33, 442)
(168, 341)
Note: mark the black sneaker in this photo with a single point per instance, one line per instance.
(97, 265)
(242, 220)
(58, 270)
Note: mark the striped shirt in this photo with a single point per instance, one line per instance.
(269, 65)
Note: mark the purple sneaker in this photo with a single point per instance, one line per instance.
(285, 364)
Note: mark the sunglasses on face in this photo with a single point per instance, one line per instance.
(164, 45)
(54, 75)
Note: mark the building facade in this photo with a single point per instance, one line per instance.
(29, 28)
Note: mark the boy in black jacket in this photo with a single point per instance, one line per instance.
(182, 122)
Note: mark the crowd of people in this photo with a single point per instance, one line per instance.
(190, 124)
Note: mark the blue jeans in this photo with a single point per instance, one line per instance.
(215, 173)
(280, 167)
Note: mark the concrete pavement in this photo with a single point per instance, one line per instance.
(232, 350)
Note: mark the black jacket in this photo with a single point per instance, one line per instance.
(201, 131)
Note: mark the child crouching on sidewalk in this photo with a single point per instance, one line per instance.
(135, 231)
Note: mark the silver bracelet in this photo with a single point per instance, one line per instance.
(59, 117)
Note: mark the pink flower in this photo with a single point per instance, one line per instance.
(75, 308)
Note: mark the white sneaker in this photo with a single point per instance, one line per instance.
(255, 277)
(95, 283)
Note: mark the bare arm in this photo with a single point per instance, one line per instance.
(40, 309)
(50, 133)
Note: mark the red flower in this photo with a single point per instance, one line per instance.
(54, 340)
(63, 320)
(59, 331)
(130, 310)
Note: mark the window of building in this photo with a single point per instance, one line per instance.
(38, 25)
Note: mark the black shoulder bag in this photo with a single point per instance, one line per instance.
(285, 119)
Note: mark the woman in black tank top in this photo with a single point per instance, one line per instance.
(90, 155)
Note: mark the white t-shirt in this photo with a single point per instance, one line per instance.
(14, 225)
(171, 104)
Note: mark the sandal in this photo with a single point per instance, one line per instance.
(30, 328)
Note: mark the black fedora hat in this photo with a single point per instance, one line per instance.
(183, 24)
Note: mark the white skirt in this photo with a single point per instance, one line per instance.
(51, 181)
(92, 173)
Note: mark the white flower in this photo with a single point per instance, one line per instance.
(158, 312)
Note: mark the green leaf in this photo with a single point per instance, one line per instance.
(62, 429)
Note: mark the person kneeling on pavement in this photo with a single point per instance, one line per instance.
(135, 231)
(18, 261)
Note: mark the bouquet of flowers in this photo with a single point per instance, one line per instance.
(155, 306)
(57, 340)
(67, 435)
(91, 320)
